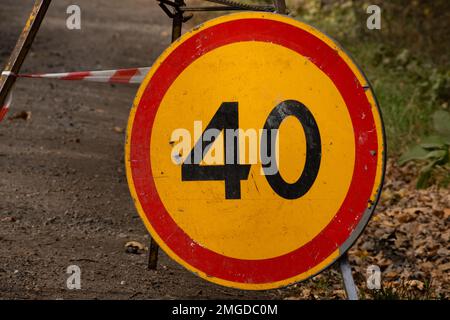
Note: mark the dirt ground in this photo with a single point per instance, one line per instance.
(64, 198)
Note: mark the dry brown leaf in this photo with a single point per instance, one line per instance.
(415, 284)
(444, 267)
(446, 213)
(22, 115)
(391, 275)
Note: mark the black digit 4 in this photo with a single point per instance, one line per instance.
(226, 117)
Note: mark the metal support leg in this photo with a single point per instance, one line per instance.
(22, 47)
(153, 255)
(349, 283)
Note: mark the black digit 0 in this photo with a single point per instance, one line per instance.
(313, 149)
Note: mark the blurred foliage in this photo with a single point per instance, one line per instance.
(421, 26)
(433, 151)
(407, 61)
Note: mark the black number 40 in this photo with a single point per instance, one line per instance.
(227, 117)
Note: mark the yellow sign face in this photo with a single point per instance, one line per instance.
(255, 151)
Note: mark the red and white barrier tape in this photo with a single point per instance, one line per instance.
(132, 75)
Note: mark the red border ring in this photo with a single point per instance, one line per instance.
(355, 209)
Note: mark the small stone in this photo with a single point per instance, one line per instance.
(134, 247)
(118, 129)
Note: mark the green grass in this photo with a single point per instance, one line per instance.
(405, 104)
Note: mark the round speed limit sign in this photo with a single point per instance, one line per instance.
(255, 151)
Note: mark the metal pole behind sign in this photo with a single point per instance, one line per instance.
(153, 255)
(347, 277)
(177, 22)
(280, 6)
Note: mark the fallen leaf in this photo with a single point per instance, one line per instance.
(23, 115)
(416, 284)
(8, 219)
(446, 213)
(444, 267)
(391, 275)
(405, 217)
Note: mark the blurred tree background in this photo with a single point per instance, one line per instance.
(407, 62)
